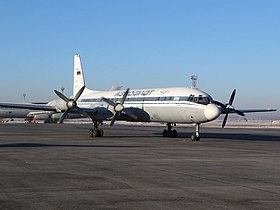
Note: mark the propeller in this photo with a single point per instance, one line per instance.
(119, 108)
(71, 103)
(228, 108)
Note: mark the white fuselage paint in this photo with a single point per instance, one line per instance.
(175, 105)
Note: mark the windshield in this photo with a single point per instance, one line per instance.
(200, 99)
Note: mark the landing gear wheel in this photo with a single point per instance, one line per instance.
(100, 133)
(90, 132)
(96, 132)
(93, 132)
(195, 138)
(165, 133)
(169, 132)
(174, 133)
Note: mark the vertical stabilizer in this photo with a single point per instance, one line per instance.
(79, 81)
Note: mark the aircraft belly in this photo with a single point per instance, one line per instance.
(174, 113)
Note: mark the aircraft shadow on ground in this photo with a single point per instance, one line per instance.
(31, 145)
(233, 136)
(205, 136)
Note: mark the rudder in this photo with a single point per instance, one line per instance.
(79, 81)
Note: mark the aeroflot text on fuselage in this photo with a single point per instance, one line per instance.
(135, 93)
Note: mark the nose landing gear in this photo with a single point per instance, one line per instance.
(196, 136)
(169, 132)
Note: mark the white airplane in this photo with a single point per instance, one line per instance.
(10, 114)
(164, 105)
(34, 116)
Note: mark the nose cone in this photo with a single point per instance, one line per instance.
(212, 112)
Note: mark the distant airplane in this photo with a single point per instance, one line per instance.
(9, 114)
(163, 105)
(33, 116)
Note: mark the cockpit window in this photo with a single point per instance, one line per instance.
(197, 99)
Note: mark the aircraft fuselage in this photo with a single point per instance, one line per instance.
(180, 105)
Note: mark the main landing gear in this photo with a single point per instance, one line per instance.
(195, 136)
(95, 132)
(169, 132)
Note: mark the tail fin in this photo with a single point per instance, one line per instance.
(79, 81)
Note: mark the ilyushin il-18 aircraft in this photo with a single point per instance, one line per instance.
(163, 105)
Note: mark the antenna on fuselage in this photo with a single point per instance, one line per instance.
(194, 81)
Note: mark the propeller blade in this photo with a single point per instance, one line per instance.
(124, 96)
(118, 107)
(232, 97)
(220, 104)
(82, 112)
(60, 95)
(225, 120)
(79, 93)
(228, 108)
(239, 112)
(71, 103)
(108, 101)
(63, 116)
(130, 114)
(113, 119)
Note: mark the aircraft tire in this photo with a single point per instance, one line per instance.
(93, 132)
(165, 133)
(195, 138)
(100, 133)
(96, 132)
(174, 133)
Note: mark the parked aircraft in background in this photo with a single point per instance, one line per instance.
(10, 114)
(164, 105)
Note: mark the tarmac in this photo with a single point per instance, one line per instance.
(52, 166)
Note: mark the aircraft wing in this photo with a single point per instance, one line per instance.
(28, 106)
(248, 110)
(256, 110)
(89, 111)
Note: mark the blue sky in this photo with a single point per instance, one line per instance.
(142, 44)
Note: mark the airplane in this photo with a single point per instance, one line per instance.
(34, 116)
(163, 105)
(10, 114)
(48, 116)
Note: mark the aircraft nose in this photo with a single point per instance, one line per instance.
(212, 112)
